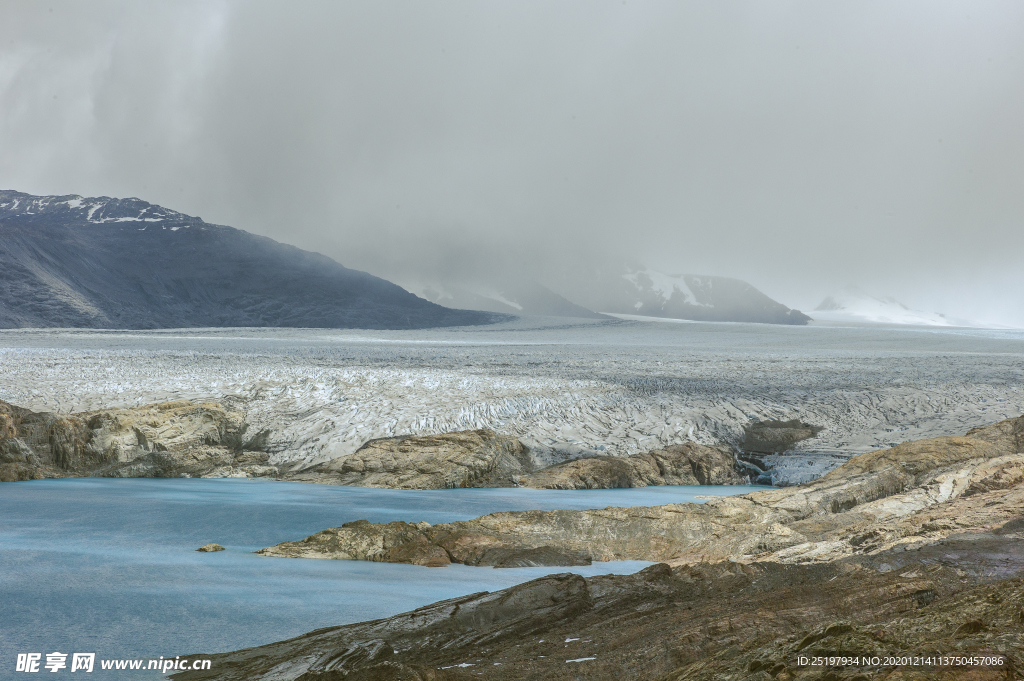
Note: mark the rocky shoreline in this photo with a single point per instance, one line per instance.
(877, 500)
(186, 439)
(914, 550)
(167, 440)
(706, 622)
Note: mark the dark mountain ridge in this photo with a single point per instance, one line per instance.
(69, 261)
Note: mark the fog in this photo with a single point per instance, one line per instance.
(801, 146)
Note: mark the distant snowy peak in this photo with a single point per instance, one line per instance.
(663, 287)
(853, 305)
(94, 210)
(652, 293)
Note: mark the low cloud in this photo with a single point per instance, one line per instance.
(800, 146)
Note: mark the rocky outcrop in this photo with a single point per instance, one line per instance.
(422, 544)
(173, 439)
(483, 458)
(684, 464)
(772, 437)
(764, 453)
(469, 458)
(916, 493)
(170, 439)
(909, 552)
(702, 622)
(210, 548)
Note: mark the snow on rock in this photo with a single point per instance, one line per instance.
(853, 305)
(663, 285)
(96, 210)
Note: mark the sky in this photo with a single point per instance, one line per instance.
(800, 146)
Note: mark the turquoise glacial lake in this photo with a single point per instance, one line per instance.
(110, 567)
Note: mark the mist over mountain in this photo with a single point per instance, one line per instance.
(523, 297)
(612, 288)
(70, 261)
(794, 146)
(852, 304)
(647, 292)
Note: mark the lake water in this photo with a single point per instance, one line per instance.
(109, 566)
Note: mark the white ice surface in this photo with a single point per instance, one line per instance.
(613, 387)
(644, 318)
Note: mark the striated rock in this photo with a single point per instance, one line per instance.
(684, 464)
(874, 502)
(170, 439)
(421, 544)
(18, 461)
(704, 621)
(210, 548)
(469, 458)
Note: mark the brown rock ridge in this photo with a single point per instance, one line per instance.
(705, 622)
(170, 439)
(771, 437)
(483, 458)
(914, 494)
(468, 458)
(684, 464)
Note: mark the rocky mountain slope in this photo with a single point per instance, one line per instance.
(905, 561)
(70, 261)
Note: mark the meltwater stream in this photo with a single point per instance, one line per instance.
(110, 567)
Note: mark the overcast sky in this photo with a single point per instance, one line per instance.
(801, 146)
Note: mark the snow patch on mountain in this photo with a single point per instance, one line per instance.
(853, 305)
(494, 295)
(95, 210)
(663, 285)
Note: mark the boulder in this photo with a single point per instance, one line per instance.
(773, 437)
(209, 548)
